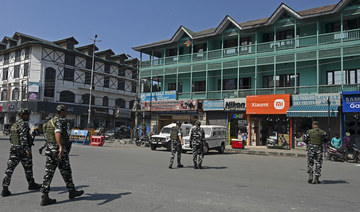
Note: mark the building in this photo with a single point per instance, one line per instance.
(40, 74)
(274, 74)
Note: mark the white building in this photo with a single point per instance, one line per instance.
(40, 74)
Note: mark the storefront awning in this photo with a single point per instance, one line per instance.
(312, 111)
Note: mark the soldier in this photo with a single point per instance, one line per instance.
(20, 151)
(197, 140)
(57, 152)
(314, 138)
(176, 144)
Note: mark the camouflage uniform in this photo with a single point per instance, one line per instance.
(176, 147)
(315, 139)
(18, 149)
(197, 139)
(52, 152)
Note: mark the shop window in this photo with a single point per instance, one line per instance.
(67, 96)
(350, 77)
(198, 86)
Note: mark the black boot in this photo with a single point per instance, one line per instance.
(180, 165)
(34, 186)
(195, 166)
(5, 192)
(317, 181)
(200, 166)
(45, 200)
(310, 180)
(74, 193)
(170, 166)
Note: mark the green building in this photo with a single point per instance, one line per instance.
(311, 56)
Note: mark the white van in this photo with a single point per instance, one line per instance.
(163, 139)
(215, 137)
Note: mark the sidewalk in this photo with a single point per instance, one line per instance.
(262, 150)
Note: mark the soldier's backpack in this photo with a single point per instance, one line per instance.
(174, 133)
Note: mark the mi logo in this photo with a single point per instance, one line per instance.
(279, 104)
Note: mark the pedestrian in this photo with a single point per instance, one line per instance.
(197, 141)
(336, 141)
(176, 144)
(20, 151)
(346, 145)
(315, 139)
(57, 155)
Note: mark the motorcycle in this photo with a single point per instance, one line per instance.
(335, 154)
(143, 140)
(6, 129)
(272, 142)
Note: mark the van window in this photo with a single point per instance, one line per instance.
(207, 131)
(166, 130)
(187, 131)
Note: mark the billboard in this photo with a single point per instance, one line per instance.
(268, 104)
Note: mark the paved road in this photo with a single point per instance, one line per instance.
(130, 178)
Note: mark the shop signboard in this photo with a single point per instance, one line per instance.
(170, 106)
(268, 104)
(158, 96)
(213, 105)
(100, 111)
(316, 99)
(235, 104)
(33, 89)
(351, 102)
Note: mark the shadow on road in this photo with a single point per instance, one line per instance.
(96, 197)
(22, 193)
(334, 182)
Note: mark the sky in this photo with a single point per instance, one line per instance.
(121, 25)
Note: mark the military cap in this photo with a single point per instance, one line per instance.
(315, 123)
(60, 108)
(198, 122)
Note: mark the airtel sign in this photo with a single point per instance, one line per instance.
(268, 104)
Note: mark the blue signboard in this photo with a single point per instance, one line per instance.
(213, 105)
(351, 102)
(158, 96)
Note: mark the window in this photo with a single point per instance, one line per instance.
(17, 71)
(350, 77)
(4, 94)
(171, 52)
(230, 43)
(281, 35)
(67, 96)
(131, 104)
(17, 55)
(88, 63)
(107, 68)
(120, 103)
(121, 72)
(5, 74)
(86, 97)
(121, 85)
(198, 86)
(15, 94)
(6, 59)
(134, 75)
(87, 78)
(70, 59)
(231, 84)
(69, 74)
(172, 87)
(284, 80)
(133, 87)
(200, 48)
(106, 82)
(105, 101)
(26, 69)
(27, 53)
(50, 75)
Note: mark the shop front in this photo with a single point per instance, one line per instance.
(320, 107)
(214, 110)
(237, 119)
(267, 116)
(351, 115)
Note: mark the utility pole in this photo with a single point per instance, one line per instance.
(92, 77)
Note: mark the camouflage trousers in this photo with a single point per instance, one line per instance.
(198, 154)
(314, 154)
(52, 162)
(18, 155)
(175, 148)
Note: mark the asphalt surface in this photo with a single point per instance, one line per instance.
(130, 178)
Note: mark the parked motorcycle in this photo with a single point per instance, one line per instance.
(6, 129)
(143, 140)
(335, 154)
(272, 141)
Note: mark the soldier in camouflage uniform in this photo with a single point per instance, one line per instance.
(197, 140)
(314, 138)
(57, 152)
(176, 145)
(20, 151)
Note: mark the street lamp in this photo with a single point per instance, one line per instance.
(92, 77)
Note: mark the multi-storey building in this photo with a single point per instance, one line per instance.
(40, 74)
(273, 74)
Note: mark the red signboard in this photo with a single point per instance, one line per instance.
(169, 106)
(268, 104)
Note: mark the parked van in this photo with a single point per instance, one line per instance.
(215, 137)
(163, 139)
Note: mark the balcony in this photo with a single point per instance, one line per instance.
(280, 45)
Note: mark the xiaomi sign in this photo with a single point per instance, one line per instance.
(268, 104)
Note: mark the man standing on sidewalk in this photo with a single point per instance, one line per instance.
(314, 138)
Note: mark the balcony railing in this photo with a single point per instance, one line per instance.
(306, 41)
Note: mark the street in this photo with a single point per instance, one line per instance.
(131, 178)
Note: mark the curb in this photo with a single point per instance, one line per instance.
(267, 153)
